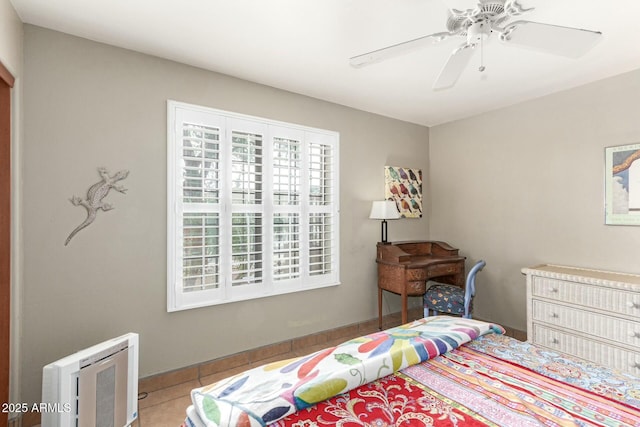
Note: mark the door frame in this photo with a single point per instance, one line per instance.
(6, 83)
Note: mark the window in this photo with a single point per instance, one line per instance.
(252, 207)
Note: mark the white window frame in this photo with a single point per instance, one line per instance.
(227, 122)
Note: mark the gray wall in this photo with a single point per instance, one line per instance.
(10, 38)
(525, 185)
(88, 105)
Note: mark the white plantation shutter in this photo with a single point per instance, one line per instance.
(287, 169)
(320, 243)
(247, 207)
(246, 248)
(286, 246)
(323, 227)
(246, 168)
(200, 147)
(321, 170)
(201, 255)
(252, 207)
(200, 163)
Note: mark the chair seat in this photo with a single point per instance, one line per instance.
(445, 298)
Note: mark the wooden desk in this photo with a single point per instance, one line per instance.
(405, 267)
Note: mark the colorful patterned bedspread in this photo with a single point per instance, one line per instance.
(269, 393)
(491, 381)
(467, 387)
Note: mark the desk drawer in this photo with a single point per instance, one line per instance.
(445, 269)
(416, 288)
(416, 274)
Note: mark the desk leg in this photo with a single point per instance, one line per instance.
(379, 308)
(404, 307)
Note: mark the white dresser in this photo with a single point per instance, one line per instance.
(591, 314)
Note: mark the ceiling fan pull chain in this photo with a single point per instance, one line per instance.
(481, 69)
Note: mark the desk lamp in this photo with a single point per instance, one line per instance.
(384, 210)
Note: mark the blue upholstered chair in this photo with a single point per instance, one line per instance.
(451, 299)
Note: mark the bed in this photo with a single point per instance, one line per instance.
(437, 371)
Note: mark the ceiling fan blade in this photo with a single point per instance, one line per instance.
(396, 50)
(460, 4)
(454, 67)
(564, 41)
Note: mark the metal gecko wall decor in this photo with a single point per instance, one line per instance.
(96, 193)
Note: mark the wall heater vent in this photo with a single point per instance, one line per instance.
(96, 387)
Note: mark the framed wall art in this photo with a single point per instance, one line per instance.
(622, 185)
(404, 186)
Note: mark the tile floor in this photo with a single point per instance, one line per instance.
(165, 406)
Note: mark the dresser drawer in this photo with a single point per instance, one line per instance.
(593, 296)
(611, 328)
(594, 351)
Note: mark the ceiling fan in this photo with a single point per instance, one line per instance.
(477, 25)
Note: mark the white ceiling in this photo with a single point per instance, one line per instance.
(304, 46)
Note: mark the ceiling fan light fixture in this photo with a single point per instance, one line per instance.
(479, 31)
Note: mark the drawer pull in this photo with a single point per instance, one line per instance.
(633, 304)
(634, 334)
(635, 365)
(553, 289)
(554, 315)
(555, 341)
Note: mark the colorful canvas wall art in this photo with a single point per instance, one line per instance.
(404, 186)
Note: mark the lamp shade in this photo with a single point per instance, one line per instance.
(384, 209)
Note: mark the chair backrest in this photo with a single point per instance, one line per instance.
(470, 286)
